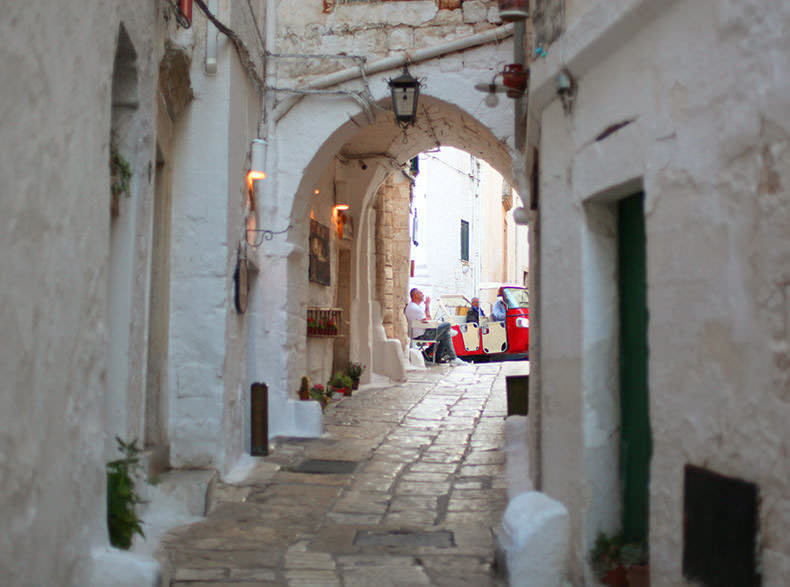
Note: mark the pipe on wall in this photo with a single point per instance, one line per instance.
(396, 61)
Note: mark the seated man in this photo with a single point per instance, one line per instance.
(474, 313)
(415, 314)
(499, 311)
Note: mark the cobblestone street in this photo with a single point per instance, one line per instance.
(406, 487)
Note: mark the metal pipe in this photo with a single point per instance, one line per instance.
(519, 57)
(396, 61)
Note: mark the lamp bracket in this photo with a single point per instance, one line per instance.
(263, 234)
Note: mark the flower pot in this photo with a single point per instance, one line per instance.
(512, 10)
(514, 78)
(355, 385)
(617, 577)
(639, 576)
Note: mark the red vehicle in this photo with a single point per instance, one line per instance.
(490, 339)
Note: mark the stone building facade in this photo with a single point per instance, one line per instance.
(392, 252)
(123, 317)
(662, 127)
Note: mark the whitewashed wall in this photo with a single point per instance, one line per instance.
(446, 191)
(705, 89)
(56, 103)
(208, 382)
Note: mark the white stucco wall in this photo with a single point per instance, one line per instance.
(705, 87)
(446, 191)
(54, 261)
(208, 379)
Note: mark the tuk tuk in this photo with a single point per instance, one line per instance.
(489, 339)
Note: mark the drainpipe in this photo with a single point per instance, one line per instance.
(396, 61)
(519, 56)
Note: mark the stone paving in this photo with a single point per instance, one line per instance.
(420, 506)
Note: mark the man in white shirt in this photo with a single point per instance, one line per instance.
(416, 315)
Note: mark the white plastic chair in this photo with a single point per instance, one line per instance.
(421, 343)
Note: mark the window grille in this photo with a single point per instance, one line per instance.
(464, 240)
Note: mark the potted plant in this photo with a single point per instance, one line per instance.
(354, 370)
(317, 393)
(634, 557)
(304, 388)
(618, 563)
(605, 560)
(341, 383)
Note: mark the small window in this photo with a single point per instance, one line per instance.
(464, 240)
(720, 529)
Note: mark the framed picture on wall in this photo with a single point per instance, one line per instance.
(319, 253)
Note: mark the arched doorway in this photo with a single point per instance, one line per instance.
(350, 158)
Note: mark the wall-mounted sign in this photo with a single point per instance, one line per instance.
(319, 253)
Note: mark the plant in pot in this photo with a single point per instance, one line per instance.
(354, 370)
(634, 557)
(304, 388)
(317, 393)
(619, 563)
(605, 560)
(341, 383)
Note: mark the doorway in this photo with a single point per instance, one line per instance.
(155, 439)
(635, 439)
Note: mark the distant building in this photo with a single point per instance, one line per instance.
(463, 234)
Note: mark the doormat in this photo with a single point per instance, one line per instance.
(440, 539)
(324, 467)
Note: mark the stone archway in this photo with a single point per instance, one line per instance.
(315, 143)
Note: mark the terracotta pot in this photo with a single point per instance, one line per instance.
(514, 78)
(639, 576)
(511, 10)
(617, 577)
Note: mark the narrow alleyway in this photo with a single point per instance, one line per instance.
(405, 488)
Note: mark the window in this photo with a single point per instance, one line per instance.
(464, 240)
(720, 529)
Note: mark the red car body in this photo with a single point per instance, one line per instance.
(494, 340)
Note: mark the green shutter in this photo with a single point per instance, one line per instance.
(464, 240)
(636, 443)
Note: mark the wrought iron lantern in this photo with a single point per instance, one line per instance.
(405, 94)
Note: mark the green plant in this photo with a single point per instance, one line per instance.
(304, 388)
(633, 553)
(120, 173)
(354, 370)
(605, 554)
(122, 497)
(610, 552)
(340, 381)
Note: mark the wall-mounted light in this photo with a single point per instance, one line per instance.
(340, 217)
(566, 89)
(316, 192)
(405, 91)
(253, 176)
(257, 163)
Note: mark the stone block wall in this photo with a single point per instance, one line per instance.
(392, 252)
(371, 29)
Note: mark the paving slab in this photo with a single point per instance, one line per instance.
(423, 487)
